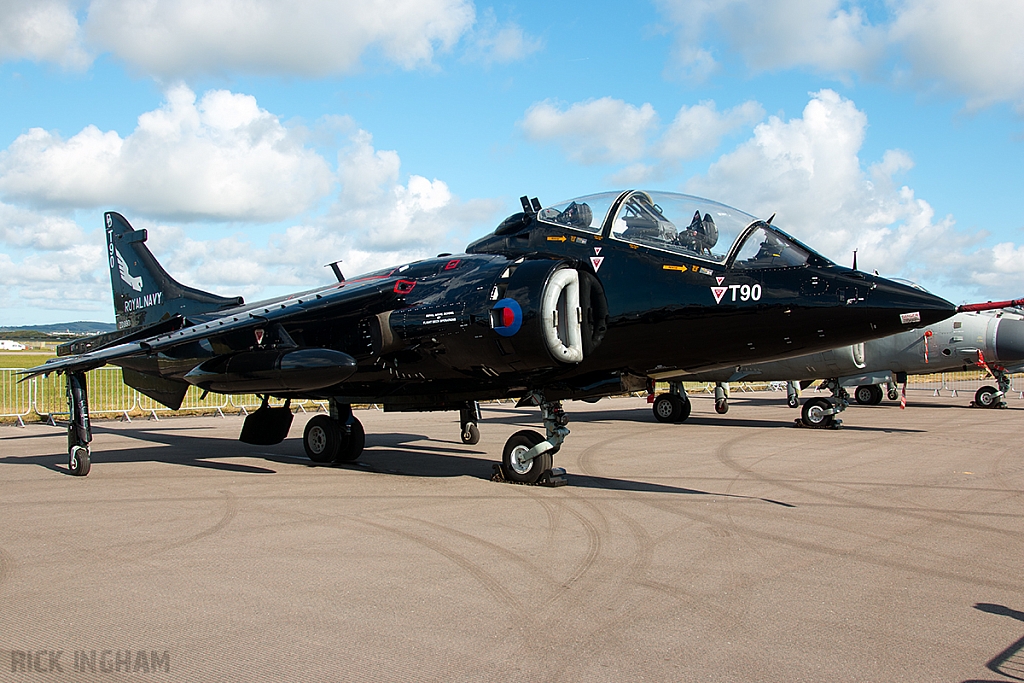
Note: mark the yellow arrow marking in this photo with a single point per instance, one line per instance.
(560, 238)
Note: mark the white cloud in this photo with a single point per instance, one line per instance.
(49, 262)
(699, 129)
(828, 35)
(596, 131)
(219, 158)
(180, 38)
(41, 30)
(376, 222)
(612, 131)
(494, 43)
(808, 171)
(969, 49)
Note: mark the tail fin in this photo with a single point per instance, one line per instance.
(144, 294)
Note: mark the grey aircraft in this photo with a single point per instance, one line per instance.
(981, 336)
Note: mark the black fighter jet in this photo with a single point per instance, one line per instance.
(578, 300)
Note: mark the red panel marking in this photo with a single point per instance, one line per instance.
(454, 263)
(404, 286)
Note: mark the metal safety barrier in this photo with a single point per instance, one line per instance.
(44, 398)
(15, 397)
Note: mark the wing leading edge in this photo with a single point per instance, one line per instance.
(337, 300)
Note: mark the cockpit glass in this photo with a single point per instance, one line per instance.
(583, 213)
(765, 248)
(680, 223)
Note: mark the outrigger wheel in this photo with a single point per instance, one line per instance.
(79, 427)
(469, 415)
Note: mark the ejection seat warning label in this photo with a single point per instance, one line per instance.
(907, 318)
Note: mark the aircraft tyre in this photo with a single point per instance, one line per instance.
(667, 408)
(868, 395)
(722, 406)
(352, 443)
(471, 434)
(793, 402)
(684, 409)
(321, 439)
(514, 468)
(986, 397)
(79, 461)
(813, 414)
(893, 395)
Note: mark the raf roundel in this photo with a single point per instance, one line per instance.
(506, 317)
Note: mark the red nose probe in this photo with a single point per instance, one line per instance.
(989, 306)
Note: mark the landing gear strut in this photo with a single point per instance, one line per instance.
(338, 437)
(79, 429)
(673, 406)
(820, 413)
(469, 415)
(527, 455)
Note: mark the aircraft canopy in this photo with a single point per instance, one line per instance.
(682, 224)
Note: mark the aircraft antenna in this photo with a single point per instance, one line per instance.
(337, 271)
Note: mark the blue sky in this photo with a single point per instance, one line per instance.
(258, 141)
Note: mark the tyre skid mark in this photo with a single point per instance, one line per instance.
(919, 514)
(490, 583)
(617, 600)
(230, 511)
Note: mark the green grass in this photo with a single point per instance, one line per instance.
(23, 359)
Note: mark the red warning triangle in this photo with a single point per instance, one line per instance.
(596, 261)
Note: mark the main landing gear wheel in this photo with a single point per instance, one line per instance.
(78, 461)
(666, 408)
(471, 434)
(814, 413)
(671, 408)
(868, 395)
(321, 439)
(722, 406)
(512, 463)
(986, 397)
(352, 443)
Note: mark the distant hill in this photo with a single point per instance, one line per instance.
(75, 328)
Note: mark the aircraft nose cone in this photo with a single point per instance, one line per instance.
(1010, 341)
(910, 306)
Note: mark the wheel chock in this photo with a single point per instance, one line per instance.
(552, 477)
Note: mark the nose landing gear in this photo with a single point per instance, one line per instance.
(992, 397)
(820, 412)
(526, 458)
